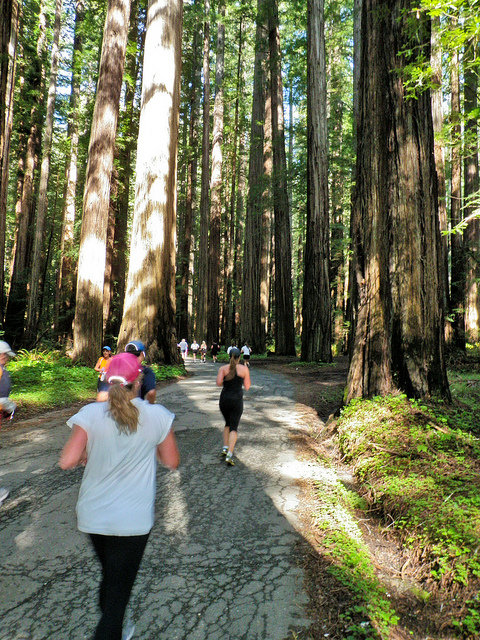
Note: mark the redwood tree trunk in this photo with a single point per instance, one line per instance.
(88, 329)
(317, 324)
(284, 320)
(149, 311)
(457, 292)
(202, 289)
(216, 187)
(471, 182)
(398, 334)
(38, 260)
(185, 249)
(251, 319)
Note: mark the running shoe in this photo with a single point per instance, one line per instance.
(229, 460)
(224, 451)
(3, 494)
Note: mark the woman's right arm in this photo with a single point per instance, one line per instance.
(220, 376)
(74, 452)
(167, 451)
(97, 366)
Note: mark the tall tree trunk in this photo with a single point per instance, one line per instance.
(129, 119)
(457, 293)
(10, 14)
(202, 289)
(149, 311)
(228, 312)
(28, 160)
(185, 249)
(38, 260)
(317, 323)
(437, 114)
(88, 328)
(216, 186)
(67, 270)
(471, 182)
(266, 248)
(251, 316)
(398, 334)
(284, 320)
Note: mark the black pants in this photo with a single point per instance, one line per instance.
(120, 557)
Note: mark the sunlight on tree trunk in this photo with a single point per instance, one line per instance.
(149, 311)
(88, 329)
(398, 335)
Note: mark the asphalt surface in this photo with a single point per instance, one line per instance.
(224, 557)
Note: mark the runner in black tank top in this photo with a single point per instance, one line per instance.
(232, 377)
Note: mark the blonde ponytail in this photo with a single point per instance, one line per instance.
(121, 408)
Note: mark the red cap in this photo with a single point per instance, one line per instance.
(123, 368)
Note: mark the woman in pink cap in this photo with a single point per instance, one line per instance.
(119, 443)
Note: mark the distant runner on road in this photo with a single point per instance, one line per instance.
(232, 377)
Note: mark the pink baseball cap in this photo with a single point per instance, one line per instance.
(123, 368)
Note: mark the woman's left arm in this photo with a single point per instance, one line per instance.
(74, 452)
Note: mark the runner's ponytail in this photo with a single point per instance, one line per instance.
(121, 409)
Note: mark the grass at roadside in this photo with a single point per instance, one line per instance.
(47, 380)
(419, 469)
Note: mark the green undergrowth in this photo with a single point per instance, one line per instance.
(419, 468)
(367, 613)
(44, 380)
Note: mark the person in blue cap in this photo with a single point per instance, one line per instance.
(148, 389)
(101, 367)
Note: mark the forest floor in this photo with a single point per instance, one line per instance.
(318, 394)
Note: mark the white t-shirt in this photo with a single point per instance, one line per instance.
(245, 350)
(117, 494)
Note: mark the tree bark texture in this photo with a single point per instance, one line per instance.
(284, 320)
(67, 271)
(9, 17)
(398, 334)
(471, 184)
(251, 319)
(317, 322)
(29, 145)
(88, 328)
(185, 250)
(457, 291)
(216, 187)
(201, 310)
(36, 279)
(437, 115)
(149, 312)
(129, 124)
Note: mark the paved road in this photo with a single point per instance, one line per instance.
(223, 560)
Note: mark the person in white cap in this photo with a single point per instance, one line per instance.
(7, 407)
(119, 443)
